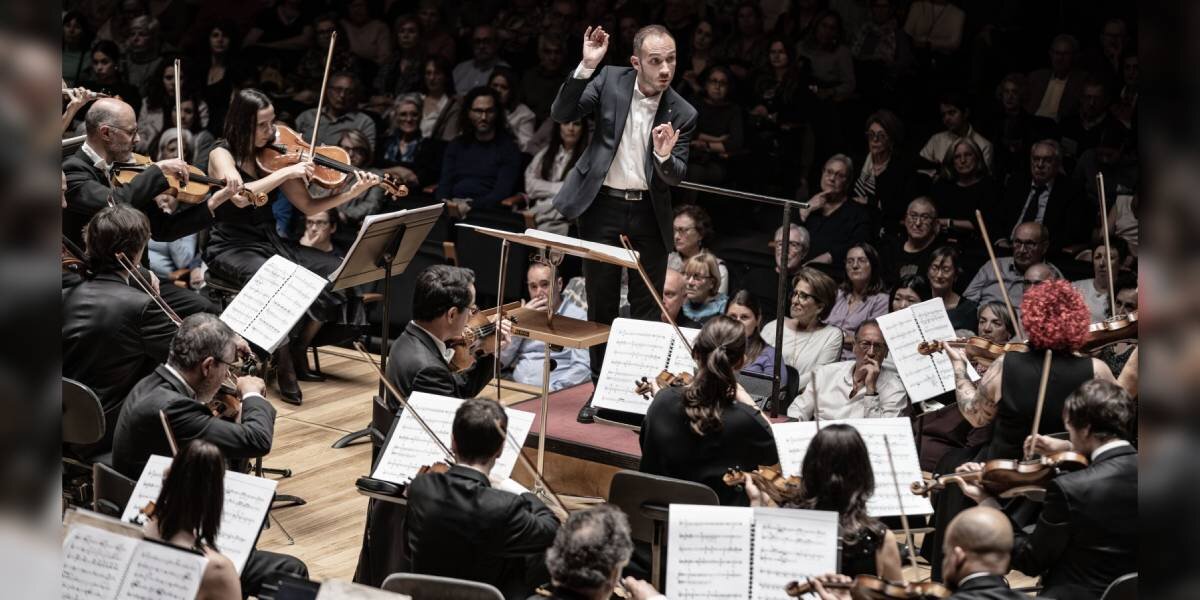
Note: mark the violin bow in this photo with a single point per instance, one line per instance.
(178, 115)
(321, 100)
(404, 402)
(654, 292)
(541, 481)
(1108, 268)
(908, 538)
(1041, 398)
(145, 286)
(987, 243)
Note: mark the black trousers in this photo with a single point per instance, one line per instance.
(185, 302)
(240, 262)
(604, 222)
(264, 567)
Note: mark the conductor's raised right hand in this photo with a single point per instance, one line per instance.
(595, 44)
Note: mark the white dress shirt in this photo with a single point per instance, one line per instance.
(832, 387)
(447, 353)
(1106, 447)
(628, 169)
(97, 162)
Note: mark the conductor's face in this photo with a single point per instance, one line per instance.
(655, 63)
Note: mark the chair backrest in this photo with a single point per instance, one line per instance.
(432, 587)
(83, 416)
(1124, 587)
(111, 490)
(644, 498)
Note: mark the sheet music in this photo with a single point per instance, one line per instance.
(336, 589)
(791, 544)
(271, 303)
(107, 565)
(923, 376)
(247, 499)
(708, 552)
(409, 447)
(616, 253)
(792, 441)
(638, 349)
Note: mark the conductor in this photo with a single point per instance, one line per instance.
(621, 183)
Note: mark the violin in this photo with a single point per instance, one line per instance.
(466, 346)
(869, 587)
(1113, 330)
(663, 379)
(332, 163)
(979, 349)
(194, 191)
(227, 402)
(778, 488)
(1008, 478)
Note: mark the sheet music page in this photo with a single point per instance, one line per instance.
(789, 545)
(708, 552)
(638, 349)
(409, 447)
(792, 441)
(271, 303)
(336, 589)
(94, 561)
(923, 376)
(163, 572)
(247, 499)
(617, 253)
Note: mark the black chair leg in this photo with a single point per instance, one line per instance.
(349, 438)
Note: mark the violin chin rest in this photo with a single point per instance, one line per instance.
(379, 486)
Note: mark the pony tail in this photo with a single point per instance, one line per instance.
(713, 388)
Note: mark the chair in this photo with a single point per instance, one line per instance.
(432, 587)
(83, 416)
(1124, 587)
(646, 499)
(111, 490)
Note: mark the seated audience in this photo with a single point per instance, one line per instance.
(400, 74)
(569, 366)
(440, 105)
(808, 342)
(911, 254)
(956, 118)
(882, 50)
(698, 431)
(935, 26)
(351, 214)
(760, 356)
(340, 114)
(764, 282)
(963, 188)
(518, 117)
(404, 152)
(1030, 243)
(834, 224)
(1081, 130)
(704, 300)
(545, 174)
(745, 48)
(862, 296)
(319, 230)
(674, 295)
(368, 37)
(832, 64)
(718, 134)
(885, 183)
(475, 71)
(589, 552)
(540, 83)
(107, 74)
(693, 227)
(1123, 217)
(1048, 197)
(778, 116)
(700, 55)
(854, 389)
(483, 164)
(304, 82)
(157, 112)
(1037, 273)
(1115, 155)
(943, 273)
(910, 290)
(837, 476)
(458, 525)
(1013, 127)
(1118, 355)
(1054, 92)
(1087, 534)
(1095, 290)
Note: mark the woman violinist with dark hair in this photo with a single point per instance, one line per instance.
(245, 238)
(698, 431)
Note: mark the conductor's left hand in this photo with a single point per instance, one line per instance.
(664, 137)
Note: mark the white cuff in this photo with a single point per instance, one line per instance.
(249, 394)
(661, 159)
(582, 72)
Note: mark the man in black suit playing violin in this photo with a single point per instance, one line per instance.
(1087, 533)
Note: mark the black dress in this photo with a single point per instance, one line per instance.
(858, 552)
(670, 447)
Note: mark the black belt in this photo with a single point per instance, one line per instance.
(629, 195)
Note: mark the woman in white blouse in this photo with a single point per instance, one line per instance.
(439, 105)
(520, 117)
(544, 175)
(808, 342)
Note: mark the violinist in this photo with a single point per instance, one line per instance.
(1087, 534)
(698, 431)
(203, 353)
(112, 333)
(245, 238)
(459, 525)
(590, 550)
(836, 475)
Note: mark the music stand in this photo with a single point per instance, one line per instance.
(543, 325)
(385, 245)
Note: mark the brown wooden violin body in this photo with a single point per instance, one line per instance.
(869, 587)
(194, 191)
(467, 347)
(1121, 328)
(978, 349)
(1010, 478)
(772, 483)
(331, 163)
(663, 379)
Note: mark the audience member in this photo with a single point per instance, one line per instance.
(1081, 130)
(368, 37)
(350, 215)
(1114, 156)
(719, 133)
(1014, 127)
(197, 140)
(832, 64)
(911, 254)
(1123, 217)
(935, 25)
(1049, 197)
(885, 183)
(704, 300)
(545, 173)
(956, 118)
(305, 86)
(693, 228)
(883, 51)
(701, 54)
(1037, 273)
(475, 71)
(1030, 243)
(760, 356)
(519, 118)
(403, 151)
(439, 43)
(674, 295)
(319, 230)
(1104, 62)
(402, 72)
(223, 43)
(159, 103)
(525, 356)
(854, 389)
(1125, 106)
(1054, 92)
(77, 37)
(282, 33)
(943, 274)
(440, 106)
(1118, 355)
(909, 290)
(540, 83)
(483, 164)
(143, 57)
(808, 342)
(745, 49)
(779, 102)
(833, 223)
(340, 114)
(963, 188)
(517, 28)
(862, 296)
(108, 76)
(1095, 289)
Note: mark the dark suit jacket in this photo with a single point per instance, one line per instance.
(140, 432)
(605, 98)
(414, 364)
(1087, 534)
(1068, 102)
(1068, 216)
(988, 587)
(88, 192)
(112, 335)
(459, 526)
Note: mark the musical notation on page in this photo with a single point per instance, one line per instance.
(271, 303)
(638, 349)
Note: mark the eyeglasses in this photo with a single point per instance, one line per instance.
(876, 135)
(793, 246)
(236, 367)
(867, 346)
(483, 111)
(472, 310)
(697, 276)
(921, 217)
(802, 296)
(315, 223)
(835, 174)
(1026, 243)
(131, 132)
